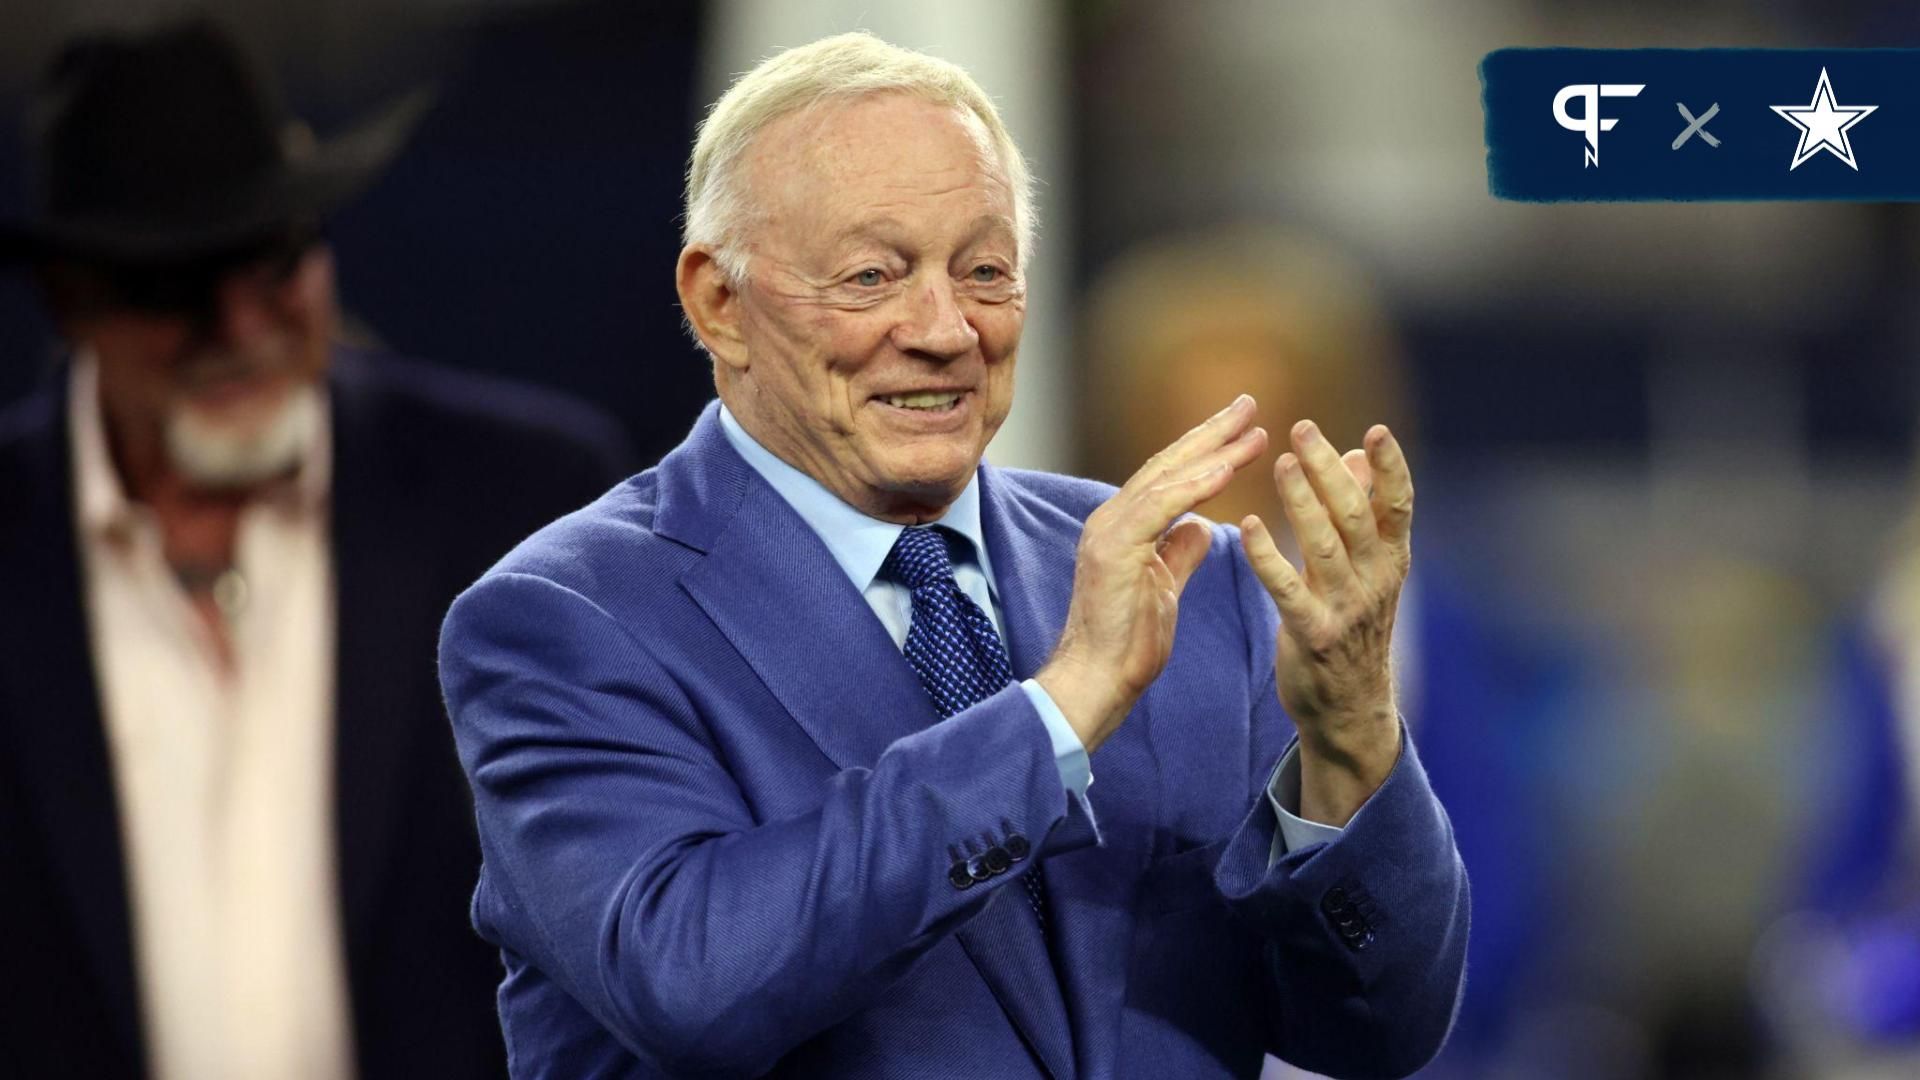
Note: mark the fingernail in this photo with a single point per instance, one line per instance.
(1237, 403)
(1307, 431)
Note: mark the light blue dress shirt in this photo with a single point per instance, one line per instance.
(860, 545)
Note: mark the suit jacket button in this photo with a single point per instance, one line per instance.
(1334, 902)
(1017, 847)
(977, 867)
(997, 859)
(958, 876)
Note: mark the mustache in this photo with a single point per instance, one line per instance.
(207, 368)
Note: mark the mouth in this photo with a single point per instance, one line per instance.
(925, 401)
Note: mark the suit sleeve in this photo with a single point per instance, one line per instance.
(622, 861)
(1364, 937)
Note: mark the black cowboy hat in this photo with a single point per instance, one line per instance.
(171, 145)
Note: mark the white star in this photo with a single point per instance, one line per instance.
(1823, 125)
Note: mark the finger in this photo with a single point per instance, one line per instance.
(1345, 500)
(1392, 488)
(1145, 513)
(1356, 462)
(1183, 549)
(1290, 594)
(1245, 449)
(1216, 431)
(1322, 552)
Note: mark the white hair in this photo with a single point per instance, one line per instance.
(844, 66)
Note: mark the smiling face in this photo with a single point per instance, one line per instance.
(872, 344)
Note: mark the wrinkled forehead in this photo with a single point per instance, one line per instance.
(843, 158)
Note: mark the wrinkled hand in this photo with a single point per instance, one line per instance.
(1352, 517)
(1130, 569)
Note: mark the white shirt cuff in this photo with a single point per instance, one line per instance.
(1069, 755)
(1295, 832)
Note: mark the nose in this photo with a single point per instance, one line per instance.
(934, 326)
(243, 311)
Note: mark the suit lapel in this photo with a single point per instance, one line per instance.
(55, 726)
(775, 591)
(1032, 549)
(1032, 544)
(764, 567)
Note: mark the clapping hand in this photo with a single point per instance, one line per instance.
(1352, 517)
(1132, 564)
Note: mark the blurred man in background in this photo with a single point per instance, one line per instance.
(237, 841)
(1173, 325)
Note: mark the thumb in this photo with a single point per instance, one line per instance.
(1184, 548)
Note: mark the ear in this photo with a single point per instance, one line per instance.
(712, 306)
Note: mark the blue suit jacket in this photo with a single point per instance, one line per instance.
(718, 819)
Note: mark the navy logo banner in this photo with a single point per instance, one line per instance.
(1687, 124)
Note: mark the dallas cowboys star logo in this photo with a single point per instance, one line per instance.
(1823, 125)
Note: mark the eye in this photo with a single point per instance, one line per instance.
(869, 277)
(986, 274)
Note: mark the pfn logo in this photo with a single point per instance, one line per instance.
(1589, 122)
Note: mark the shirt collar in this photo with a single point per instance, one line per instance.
(101, 497)
(858, 543)
(102, 501)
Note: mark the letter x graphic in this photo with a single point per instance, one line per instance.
(1698, 125)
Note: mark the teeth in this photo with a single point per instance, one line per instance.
(922, 401)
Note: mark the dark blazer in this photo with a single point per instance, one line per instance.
(726, 833)
(436, 475)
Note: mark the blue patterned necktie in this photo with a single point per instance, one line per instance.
(951, 643)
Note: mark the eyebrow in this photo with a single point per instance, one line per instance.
(987, 223)
(887, 230)
(883, 230)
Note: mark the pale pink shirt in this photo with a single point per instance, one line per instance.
(224, 784)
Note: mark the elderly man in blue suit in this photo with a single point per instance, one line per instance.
(824, 748)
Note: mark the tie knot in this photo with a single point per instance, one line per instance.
(922, 556)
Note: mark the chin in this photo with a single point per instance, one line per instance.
(945, 469)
